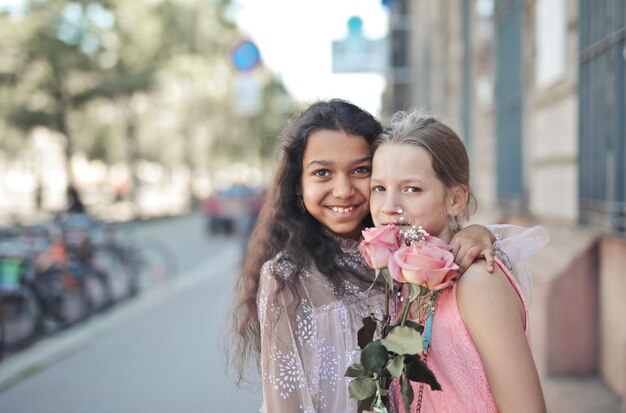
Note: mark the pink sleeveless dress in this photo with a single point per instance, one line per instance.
(455, 361)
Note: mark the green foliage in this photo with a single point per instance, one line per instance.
(395, 365)
(362, 388)
(407, 393)
(355, 370)
(417, 370)
(366, 404)
(151, 76)
(403, 340)
(374, 357)
(397, 355)
(365, 335)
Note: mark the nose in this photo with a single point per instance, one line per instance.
(391, 205)
(343, 187)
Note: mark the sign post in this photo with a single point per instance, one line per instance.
(358, 54)
(245, 56)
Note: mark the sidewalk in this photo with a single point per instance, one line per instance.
(53, 349)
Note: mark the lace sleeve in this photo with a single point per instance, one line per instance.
(286, 355)
(514, 244)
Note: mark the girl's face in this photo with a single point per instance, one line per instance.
(403, 179)
(335, 182)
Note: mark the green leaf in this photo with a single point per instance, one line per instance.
(414, 292)
(417, 370)
(374, 357)
(407, 393)
(361, 388)
(355, 370)
(395, 366)
(403, 340)
(382, 409)
(415, 326)
(376, 273)
(366, 404)
(366, 333)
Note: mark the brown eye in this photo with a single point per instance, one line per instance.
(322, 173)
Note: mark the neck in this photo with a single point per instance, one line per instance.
(445, 235)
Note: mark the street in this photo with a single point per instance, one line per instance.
(160, 352)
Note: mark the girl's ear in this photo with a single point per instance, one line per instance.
(457, 200)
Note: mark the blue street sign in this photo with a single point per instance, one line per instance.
(245, 55)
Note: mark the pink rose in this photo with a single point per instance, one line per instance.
(425, 264)
(378, 245)
(388, 235)
(375, 255)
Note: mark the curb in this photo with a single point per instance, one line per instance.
(51, 350)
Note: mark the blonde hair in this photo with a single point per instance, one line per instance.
(449, 158)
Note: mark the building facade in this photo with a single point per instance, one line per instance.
(537, 90)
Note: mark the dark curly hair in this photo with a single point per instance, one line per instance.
(282, 227)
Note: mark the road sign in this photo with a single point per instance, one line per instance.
(358, 54)
(245, 55)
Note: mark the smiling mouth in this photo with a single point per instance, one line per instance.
(342, 210)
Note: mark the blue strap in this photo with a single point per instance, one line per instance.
(428, 330)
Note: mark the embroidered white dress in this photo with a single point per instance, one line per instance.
(306, 349)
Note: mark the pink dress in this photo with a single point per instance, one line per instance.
(455, 361)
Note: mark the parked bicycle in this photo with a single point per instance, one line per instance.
(57, 274)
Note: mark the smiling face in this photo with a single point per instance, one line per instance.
(403, 178)
(335, 182)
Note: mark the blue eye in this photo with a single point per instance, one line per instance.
(413, 189)
(378, 188)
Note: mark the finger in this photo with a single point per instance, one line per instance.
(489, 258)
(456, 246)
(460, 260)
(470, 256)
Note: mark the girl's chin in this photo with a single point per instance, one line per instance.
(353, 232)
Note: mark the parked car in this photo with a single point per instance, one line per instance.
(232, 210)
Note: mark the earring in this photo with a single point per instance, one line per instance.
(300, 205)
(453, 225)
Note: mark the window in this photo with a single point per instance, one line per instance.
(602, 114)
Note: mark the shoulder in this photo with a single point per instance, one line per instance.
(281, 267)
(482, 295)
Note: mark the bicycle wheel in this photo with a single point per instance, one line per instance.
(62, 295)
(1, 336)
(95, 285)
(120, 278)
(20, 315)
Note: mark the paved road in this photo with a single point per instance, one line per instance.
(159, 353)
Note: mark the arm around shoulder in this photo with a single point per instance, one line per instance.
(495, 319)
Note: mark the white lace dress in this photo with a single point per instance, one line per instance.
(305, 350)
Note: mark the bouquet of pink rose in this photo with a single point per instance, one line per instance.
(415, 267)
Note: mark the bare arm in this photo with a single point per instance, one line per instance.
(472, 242)
(495, 319)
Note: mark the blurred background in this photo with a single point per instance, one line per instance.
(139, 137)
